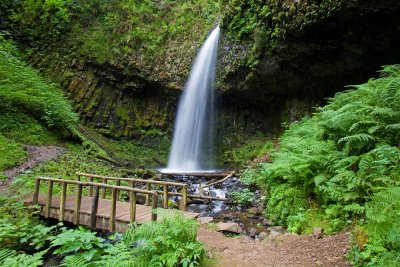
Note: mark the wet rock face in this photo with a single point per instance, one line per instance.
(119, 102)
(309, 65)
(314, 63)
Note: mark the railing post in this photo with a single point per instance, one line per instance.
(132, 200)
(78, 201)
(48, 199)
(113, 209)
(36, 192)
(78, 177)
(147, 203)
(165, 196)
(184, 197)
(62, 201)
(118, 183)
(91, 187)
(95, 205)
(103, 190)
(154, 207)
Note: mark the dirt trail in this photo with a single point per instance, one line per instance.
(36, 155)
(286, 250)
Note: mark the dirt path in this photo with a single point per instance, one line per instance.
(286, 250)
(36, 155)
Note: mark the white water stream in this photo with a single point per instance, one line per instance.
(193, 134)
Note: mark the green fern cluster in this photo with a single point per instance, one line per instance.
(339, 159)
(22, 90)
(11, 258)
(25, 241)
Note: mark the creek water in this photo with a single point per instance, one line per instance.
(192, 145)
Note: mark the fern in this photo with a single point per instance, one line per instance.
(76, 261)
(11, 258)
(6, 253)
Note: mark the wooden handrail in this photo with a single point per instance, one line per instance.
(148, 184)
(97, 186)
(130, 179)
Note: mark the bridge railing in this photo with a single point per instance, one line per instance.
(95, 187)
(149, 184)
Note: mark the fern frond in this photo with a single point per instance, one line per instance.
(6, 253)
(75, 261)
(361, 137)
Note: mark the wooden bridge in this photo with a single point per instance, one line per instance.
(97, 203)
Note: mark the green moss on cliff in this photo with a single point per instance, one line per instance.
(263, 25)
(157, 37)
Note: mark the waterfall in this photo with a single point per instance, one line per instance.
(193, 133)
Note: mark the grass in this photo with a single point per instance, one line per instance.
(11, 153)
(26, 130)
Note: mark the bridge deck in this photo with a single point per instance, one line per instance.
(143, 213)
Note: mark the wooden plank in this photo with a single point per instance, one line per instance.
(132, 206)
(132, 179)
(48, 199)
(78, 202)
(165, 196)
(113, 210)
(62, 201)
(103, 190)
(95, 204)
(36, 192)
(147, 203)
(122, 212)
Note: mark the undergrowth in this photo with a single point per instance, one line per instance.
(26, 241)
(340, 168)
(32, 111)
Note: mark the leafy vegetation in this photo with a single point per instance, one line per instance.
(28, 242)
(11, 154)
(144, 33)
(29, 106)
(338, 166)
(243, 197)
(22, 90)
(262, 25)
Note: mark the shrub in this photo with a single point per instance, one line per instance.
(23, 90)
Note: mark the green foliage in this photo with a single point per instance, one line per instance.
(11, 153)
(170, 242)
(11, 258)
(80, 242)
(238, 150)
(341, 166)
(19, 229)
(382, 246)
(22, 90)
(25, 129)
(65, 166)
(243, 197)
(139, 32)
(263, 24)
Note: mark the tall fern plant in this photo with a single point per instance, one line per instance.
(341, 156)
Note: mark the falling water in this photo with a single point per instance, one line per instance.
(193, 135)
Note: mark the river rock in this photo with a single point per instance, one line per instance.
(252, 232)
(266, 222)
(229, 227)
(273, 234)
(278, 228)
(318, 232)
(262, 235)
(205, 220)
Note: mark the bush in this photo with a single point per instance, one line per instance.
(22, 90)
(170, 242)
(341, 166)
(11, 153)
